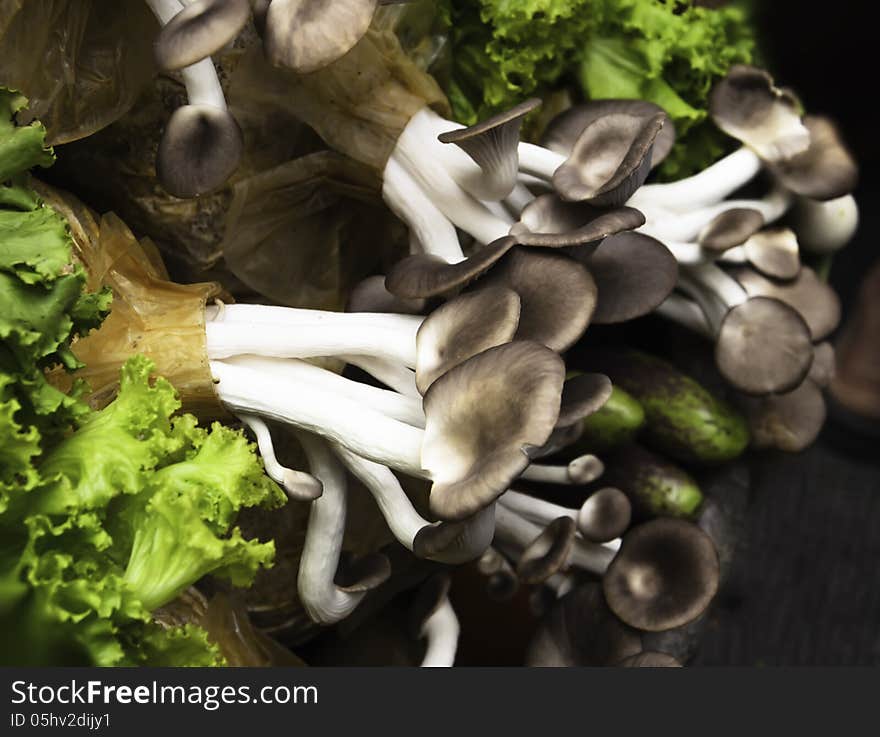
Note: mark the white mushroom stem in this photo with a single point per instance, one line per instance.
(325, 602)
(517, 200)
(581, 470)
(538, 161)
(686, 313)
(431, 231)
(292, 481)
(287, 332)
(200, 79)
(560, 584)
(711, 185)
(513, 530)
(394, 375)
(441, 630)
(686, 226)
(713, 290)
(535, 510)
(421, 154)
(299, 374)
(400, 515)
(364, 431)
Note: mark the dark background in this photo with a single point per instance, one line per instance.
(805, 587)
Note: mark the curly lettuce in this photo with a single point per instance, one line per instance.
(670, 53)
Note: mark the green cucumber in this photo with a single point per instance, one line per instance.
(683, 419)
(655, 487)
(615, 424)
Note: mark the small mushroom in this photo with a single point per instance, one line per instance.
(492, 144)
(825, 170)
(665, 575)
(774, 252)
(580, 630)
(610, 159)
(563, 131)
(306, 35)
(502, 582)
(548, 552)
(747, 105)
(811, 297)
(552, 222)
(425, 275)
(557, 294)
(200, 30)
(825, 227)
(790, 421)
(649, 660)
(730, 228)
(578, 472)
(634, 274)
(370, 295)
(464, 327)
(582, 395)
(483, 418)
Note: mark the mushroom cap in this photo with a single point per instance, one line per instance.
(731, 228)
(483, 418)
(605, 515)
(557, 295)
(199, 150)
(306, 35)
(826, 170)
(649, 660)
(664, 575)
(548, 552)
(824, 227)
(774, 252)
(370, 295)
(634, 274)
(582, 395)
(789, 422)
(807, 294)
(422, 275)
(563, 131)
(747, 105)
(610, 159)
(502, 582)
(824, 364)
(363, 573)
(463, 327)
(201, 29)
(458, 542)
(585, 469)
(763, 347)
(431, 594)
(550, 221)
(580, 630)
(492, 143)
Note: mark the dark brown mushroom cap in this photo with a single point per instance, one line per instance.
(549, 221)
(774, 252)
(422, 275)
(582, 395)
(431, 594)
(199, 150)
(463, 327)
(634, 274)
(605, 515)
(459, 542)
(548, 552)
(199, 30)
(492, 143)
(610, 160)
(370, 295)
(747, 105)
(824, 364)
(808, 295)
(580, 630)
(826, 170)
(585, 469)
(483, 418)
(363, 573)
(563, 131)
(306, 35)
(789, 422)
(763, 347)
(557, 295)
(649, 660)
(664, 575)
(731, 228)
